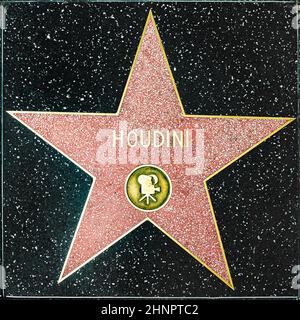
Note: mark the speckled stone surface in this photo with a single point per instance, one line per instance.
(229, 59)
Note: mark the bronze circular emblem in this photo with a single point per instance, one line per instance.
(148, 188)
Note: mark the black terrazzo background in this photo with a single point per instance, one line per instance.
(229, 58)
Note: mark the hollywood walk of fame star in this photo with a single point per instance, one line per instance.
(150, 100)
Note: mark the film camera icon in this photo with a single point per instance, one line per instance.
(148, 189)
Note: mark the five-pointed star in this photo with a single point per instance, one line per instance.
(150, 100)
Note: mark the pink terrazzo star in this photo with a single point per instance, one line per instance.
(150, 100)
